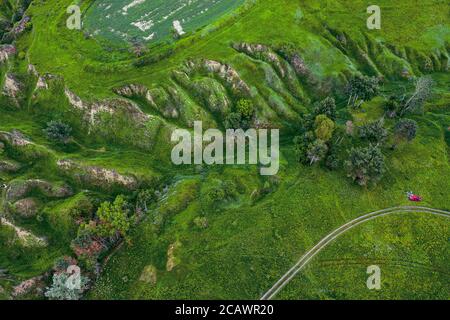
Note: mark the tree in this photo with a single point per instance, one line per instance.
(233, 121)
(144, 199)
(405, 130)
(114, 218)
(242, 117)
(374, 131)
(422, 93)
(61, 290)
(301, 144)
(324, 128)
(138, 47)
(58, 131)
(212, 196)
(326, 107)
(362, 88)
(332, 160)
(365, 165)
(316, 151)
(392, 106)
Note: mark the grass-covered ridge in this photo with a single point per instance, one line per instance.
(223, 232)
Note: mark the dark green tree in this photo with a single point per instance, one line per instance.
(114, 219)
(301, 144)
(422, 93)
(326, 107)
(58, 131)
(362, 88)
(393, 106)
(365, 165)
(405, 130)
(374, 131)
(316, 151)
(233, 121)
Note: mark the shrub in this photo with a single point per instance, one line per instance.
(324, 128)
(214, 195)
(145, 198)
(393, 106)
(58, 131)
(230, 189)
(422, 93)
(201, 222)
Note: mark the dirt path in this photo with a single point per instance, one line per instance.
(288, 276)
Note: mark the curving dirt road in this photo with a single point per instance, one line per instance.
(287, 277)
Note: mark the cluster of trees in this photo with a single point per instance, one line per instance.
(322, 141)
(400, 105)
(101, 230)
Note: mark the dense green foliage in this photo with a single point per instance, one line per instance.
(366, 165)
(61, 290)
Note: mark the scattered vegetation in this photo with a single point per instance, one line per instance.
(405, 130)
(58, 131)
